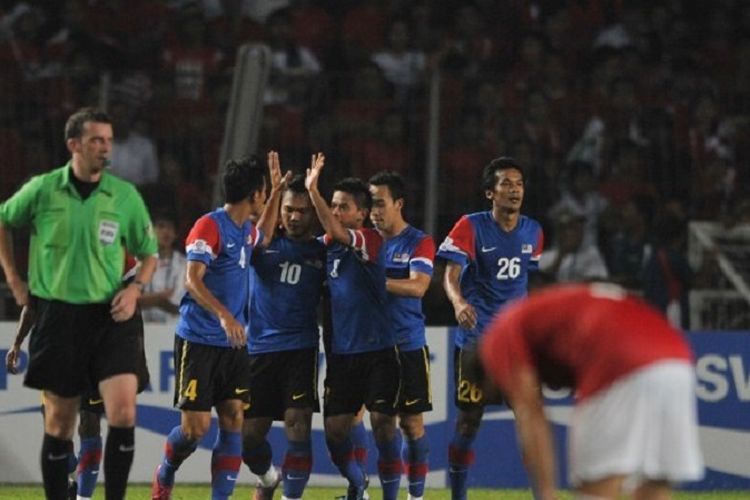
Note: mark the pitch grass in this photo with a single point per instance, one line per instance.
(193, 492)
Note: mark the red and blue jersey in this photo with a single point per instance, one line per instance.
(225, 248)
(495, 262)
(359, 301)
(410, 250)
(287, 286)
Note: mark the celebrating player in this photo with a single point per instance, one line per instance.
(362, 367)
(409, 257)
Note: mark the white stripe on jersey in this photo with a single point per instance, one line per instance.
(201, 247)
(448, 246)
(422, 260)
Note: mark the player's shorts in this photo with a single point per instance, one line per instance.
(281, 380)
(470, 380)
(92, 401)
(369, 378)
(74, 346)
(415, 396)
(206, 375)
(644, 426)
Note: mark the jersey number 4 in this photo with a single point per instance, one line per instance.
(508, 268)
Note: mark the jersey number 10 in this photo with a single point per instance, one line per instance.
(290, 273)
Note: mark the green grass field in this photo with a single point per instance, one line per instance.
(189, 492)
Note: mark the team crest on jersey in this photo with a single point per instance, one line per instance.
(401, 257)
(199, 246)
(526, 248)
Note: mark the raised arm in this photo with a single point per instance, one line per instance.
(331, 225)
(269, 218)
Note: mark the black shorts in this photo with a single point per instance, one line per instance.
(469, 378)
(91, 400)
(281, 380)
(415, 396)
(206, 375)
(75, 346)
(369, 378)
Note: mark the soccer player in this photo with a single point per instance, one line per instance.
(82, 220)
(634, 422)
(409, 256)
(283, 344)
(210, 357)
(362, 368)
(489, 257)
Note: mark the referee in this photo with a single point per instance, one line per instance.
(81, 221)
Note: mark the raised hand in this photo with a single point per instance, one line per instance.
(278, 182)
(313, 173)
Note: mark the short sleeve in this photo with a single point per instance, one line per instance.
(140, 239)
(203, 241)
(459, 245)
(424, 255)
(18, 210)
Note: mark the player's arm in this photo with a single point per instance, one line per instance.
(269, 218)
(420, 272)
(331, 225)
(25, 322)
(465, 313)
(194, 284)
(534, 433)
(161, 300)
(415, 285)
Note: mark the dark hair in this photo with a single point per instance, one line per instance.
(74, 125)
(489, 178)
(243, 178)
(392, 180)
(358, 189)
(297, 185)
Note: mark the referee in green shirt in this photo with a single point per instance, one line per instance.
(82, 219)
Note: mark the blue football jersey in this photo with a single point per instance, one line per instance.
(410, 250)
(495, 264)
(288, 282)
(359, 301)
(225, 248)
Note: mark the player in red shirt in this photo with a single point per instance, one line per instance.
(634, 421)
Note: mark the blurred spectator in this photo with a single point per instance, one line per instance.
(581, 198)
(362, 31)
(134, 155)
(402, 65)
(291, 64)
(161, 297)
(571, 259)
(629, 247)
(668, 274)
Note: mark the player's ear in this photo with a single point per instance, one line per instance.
(488, 194)
(73, 145)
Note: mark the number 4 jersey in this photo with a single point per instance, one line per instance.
(495, 264)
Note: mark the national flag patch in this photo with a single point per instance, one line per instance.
(526, 248)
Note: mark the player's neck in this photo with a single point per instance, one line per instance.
(396, 229)
(238, 212)
(506, 219)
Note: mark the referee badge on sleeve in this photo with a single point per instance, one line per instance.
(108, 231)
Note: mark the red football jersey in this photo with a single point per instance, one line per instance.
(580, 336)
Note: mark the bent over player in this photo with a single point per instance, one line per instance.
(634, 421)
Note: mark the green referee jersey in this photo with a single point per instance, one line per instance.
(77, 246)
